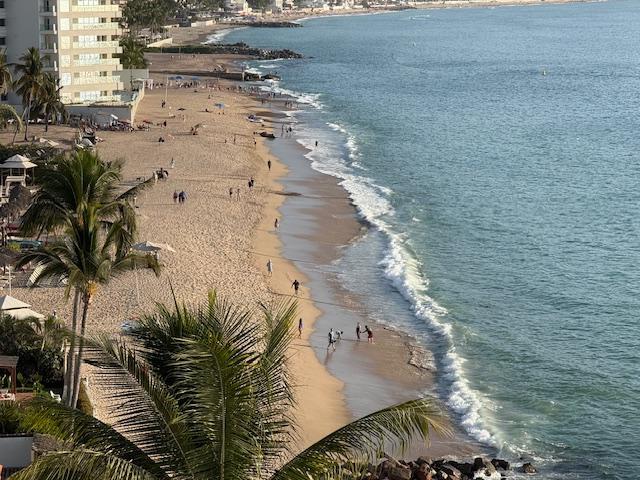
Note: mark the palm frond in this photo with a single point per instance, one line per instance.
(366, 439)
(74, 428)
(83, 465)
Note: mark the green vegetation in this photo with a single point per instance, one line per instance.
(38, 344)
(79, 197)
(151, 14)
(132, 55)
(30, 83)
(209, 395)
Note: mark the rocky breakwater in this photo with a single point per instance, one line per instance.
(241, 49)
(427, 469)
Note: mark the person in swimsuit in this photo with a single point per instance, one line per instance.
(296, 286)
(300, 326)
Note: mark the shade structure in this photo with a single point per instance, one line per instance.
(152, 247)
(7, 302)
(17, 161)
(220, 105)
(22, 313)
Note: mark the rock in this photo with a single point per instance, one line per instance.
(478, 464)
(399, 473)
(500, 464)
(451, 471)
(465, 468)
(528, 468)
(442, 475)
(426, 460)
(423, 472)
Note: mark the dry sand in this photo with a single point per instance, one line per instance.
(211, 233)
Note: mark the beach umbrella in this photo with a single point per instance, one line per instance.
(152, 247)
(7, 302)
(220, 105)
(181, 109)
(178, 77)
(23, 313)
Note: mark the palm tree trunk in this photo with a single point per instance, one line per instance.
(68, 374)
(26, 121)
(86, 300)
(46, 123)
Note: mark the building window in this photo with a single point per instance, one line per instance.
(1, 3)
(3, 22)
(3, 41)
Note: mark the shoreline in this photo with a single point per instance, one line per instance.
(395, 368)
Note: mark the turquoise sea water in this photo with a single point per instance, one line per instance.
(496, 155)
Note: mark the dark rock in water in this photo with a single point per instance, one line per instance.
(478, 464)
(528, 468)
(399, 473)
(500, 464)
(465, 468)
(426, 460)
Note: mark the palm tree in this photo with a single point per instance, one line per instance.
(132, 54)
(6, 78)
(8, 115)
(30, 84)
(79, 196)
(49, 103)
(221, 409)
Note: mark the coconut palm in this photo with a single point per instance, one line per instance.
(79, 196)
(30, 83)
(9, 115)
(49, 103)
(132, 54)
(219, 409)
(6, 78)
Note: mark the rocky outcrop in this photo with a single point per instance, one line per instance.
(425, 468)
(230, 49)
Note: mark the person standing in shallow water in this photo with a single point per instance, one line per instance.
(332, 340)
(369, 334)
(358, 330)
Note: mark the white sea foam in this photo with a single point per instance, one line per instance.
(218, 36)
(400, 265)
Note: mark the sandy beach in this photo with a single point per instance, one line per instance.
(212, 233)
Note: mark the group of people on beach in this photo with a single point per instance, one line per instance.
(179, 197)
(336, 335)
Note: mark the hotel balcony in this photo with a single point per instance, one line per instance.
(114, 10)
(49, 48)
(90, 45)
(107, 80)
(49, 29)
(111, 63)
(96, 26)
(48, 11)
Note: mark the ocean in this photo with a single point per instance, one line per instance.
(495, 155)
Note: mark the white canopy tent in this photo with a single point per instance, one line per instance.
(7, 302)
(17, 162)
(22, 313)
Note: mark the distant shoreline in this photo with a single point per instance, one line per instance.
(198, 35)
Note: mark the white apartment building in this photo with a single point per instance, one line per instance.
(77, 40)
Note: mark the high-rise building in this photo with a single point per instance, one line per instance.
(78, 40)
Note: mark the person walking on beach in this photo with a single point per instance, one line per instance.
(269, 164)
(369, 334)
(296, 286)
(175, 196)
(230, 192)
(300, 328)
(270, 267)
(238, 194)
(173, 163)
(358, 330)
(332, 340)
(276, 224)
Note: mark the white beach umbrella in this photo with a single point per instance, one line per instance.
(7, 302)
(49, 143)
(22, 313)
